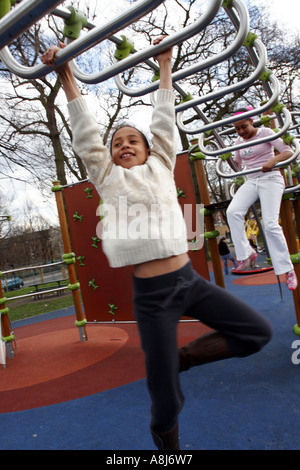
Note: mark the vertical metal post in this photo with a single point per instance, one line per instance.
(289, 232)
(7, 336)
(209, 222)
(69, 258)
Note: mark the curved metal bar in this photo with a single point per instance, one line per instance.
(142, 56)
(292, 189)
(232, 148)
(223, 91)
(21, 17)
(232, 190)
(257, 43)
(80, 45)
(20, 70)
(295, 126)
(193, 69)
(213, 125)
(197, 111)
(255, 170)
(231, 130)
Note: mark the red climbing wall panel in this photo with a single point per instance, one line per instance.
(102, 286)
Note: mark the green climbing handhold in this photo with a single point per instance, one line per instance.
(156, 76)
(112, 308)
(227, 4)
(265, 120)
(80, 259)
(278, 107)
(265, 75)
(92, 284)
(180, 193)
(288, 138)
(96, 240)
(88, 191)
(249, 41)
(124, 48)
(76, 216)
(188, 97)
(194, 242)
(4, 7)
(239, 181)
(74, 24)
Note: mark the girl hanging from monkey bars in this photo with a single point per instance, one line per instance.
(165, 285)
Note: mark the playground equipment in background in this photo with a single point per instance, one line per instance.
(7, 334)
(252, 229)
(211, 144)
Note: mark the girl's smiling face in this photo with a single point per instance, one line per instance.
(245, 129)
(129, 148)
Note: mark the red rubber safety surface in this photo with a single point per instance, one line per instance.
(263, 278)
(51, 365)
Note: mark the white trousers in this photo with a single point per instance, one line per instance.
(268, 188)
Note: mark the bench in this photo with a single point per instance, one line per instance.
(41, 289)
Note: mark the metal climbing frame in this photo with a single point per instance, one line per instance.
(81, 44)
(27, 12)
(18, 20)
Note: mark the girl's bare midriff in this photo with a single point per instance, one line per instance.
(161, 266)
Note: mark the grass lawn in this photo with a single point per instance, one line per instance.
(28, 307)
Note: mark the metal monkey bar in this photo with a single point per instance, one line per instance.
(82, 44)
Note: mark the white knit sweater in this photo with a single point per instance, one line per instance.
(142, 220)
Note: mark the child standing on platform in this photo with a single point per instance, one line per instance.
(266, 185)
(165, 285)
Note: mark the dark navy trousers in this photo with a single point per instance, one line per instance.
(159, 304)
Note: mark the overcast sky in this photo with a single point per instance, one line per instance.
(286, 12)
